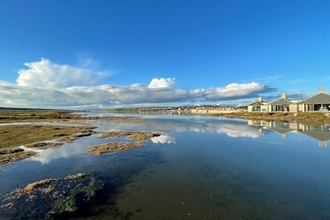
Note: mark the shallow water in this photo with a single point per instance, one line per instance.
(199, 168)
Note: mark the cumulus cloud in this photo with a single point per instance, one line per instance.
(49, 84)
(162, 83)
(163, 139)
(51, 75)
(236, 90)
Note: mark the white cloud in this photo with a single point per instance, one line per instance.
(162, 83)
(50, 75)
(163, 139)
(235, 90)
(46, 84)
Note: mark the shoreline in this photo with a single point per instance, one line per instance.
(307, 118)
(10, 115)
(316, 118)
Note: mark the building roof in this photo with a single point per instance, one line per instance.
(281, 130)
(318, 135)
(317, 99)
(256, 126)
(281, 101)
(257, 103)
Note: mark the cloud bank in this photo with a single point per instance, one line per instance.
(49, 84)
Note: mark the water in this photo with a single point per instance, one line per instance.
(199, 168)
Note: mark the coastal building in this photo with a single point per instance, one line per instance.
(317, 103)
(258, 106)
(282, 104)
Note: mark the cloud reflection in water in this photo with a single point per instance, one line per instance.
(167, 127)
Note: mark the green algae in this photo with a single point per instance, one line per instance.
(52, 198)
(69, 203)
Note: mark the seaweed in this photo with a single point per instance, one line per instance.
(70, 203)
(53, 198)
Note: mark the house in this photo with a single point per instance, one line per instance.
(258, 106)
(316, 103)
(282, 104)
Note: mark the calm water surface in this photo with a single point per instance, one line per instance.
(199, 168)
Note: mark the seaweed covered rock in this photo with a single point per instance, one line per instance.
(55, 198)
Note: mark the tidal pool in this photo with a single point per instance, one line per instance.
(199, 168)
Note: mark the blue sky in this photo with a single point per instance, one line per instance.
(120, 53)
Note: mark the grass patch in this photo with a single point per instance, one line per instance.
(113, 147)
(16, 135)
(138, 136)
(35, 115)
(142, 136)
(75, 176)
(114, 134)
(13, 157)
(44, 145)
(8, 116)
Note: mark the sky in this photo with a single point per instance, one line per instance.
(91, 54)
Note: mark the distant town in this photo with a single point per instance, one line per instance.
(200, 109)
(316, 103)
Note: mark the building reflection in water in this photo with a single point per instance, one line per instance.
(320, 133)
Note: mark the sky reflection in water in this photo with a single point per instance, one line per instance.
(199, 168)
